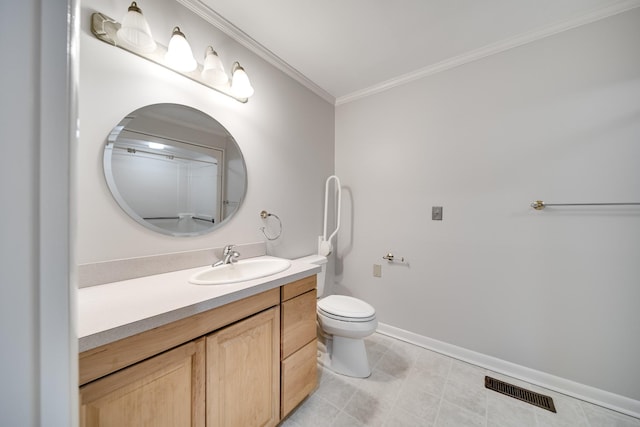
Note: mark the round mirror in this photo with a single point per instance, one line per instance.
(175, 169)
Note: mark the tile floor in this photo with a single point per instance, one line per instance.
(412, 386)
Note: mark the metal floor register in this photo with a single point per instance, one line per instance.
(537, 399)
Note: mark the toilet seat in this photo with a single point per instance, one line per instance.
(346, 309)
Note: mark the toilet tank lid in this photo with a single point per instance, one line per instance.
(313, 259)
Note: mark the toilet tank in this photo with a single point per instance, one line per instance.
(321, 277)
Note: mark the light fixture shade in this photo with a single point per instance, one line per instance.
(179, 55)
(213, 70)
(240, 84)
(134, 33)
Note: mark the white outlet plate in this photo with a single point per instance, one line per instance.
(377, 270)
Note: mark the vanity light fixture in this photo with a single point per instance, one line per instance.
(135, 31)
(213, 70)
(240, 84)
(134, 35)
(179, 55)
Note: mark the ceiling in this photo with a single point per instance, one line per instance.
(345, 49)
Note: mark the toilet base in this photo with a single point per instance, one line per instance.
(345, 356)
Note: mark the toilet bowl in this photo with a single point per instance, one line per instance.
(343, 323)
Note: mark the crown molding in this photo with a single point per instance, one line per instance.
(492, 49)
(218, 21)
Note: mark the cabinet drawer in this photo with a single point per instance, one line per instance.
(298, 287)
(299, 376)
(298, 322)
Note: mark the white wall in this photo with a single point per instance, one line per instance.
(37, 361)
(557, 291)
(285, 133)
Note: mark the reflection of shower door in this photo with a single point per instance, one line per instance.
(205, 187)
(168, 186)
(234, 183)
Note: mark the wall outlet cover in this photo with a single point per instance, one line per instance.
(377, 270)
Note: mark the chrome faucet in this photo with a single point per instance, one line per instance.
(230, 256)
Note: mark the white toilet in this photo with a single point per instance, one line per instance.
(344, 323)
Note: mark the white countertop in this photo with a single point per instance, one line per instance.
(109, 312)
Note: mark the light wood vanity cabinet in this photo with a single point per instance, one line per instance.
(247, 363)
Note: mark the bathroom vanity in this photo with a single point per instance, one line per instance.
(228, 355)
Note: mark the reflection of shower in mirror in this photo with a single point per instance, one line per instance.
(324, 244)
(174, 169)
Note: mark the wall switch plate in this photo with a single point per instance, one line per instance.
(436, 213)
(377, 270)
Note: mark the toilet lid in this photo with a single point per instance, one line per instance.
(345, 306)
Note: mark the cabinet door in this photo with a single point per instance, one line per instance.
(243, 372)
(166, 390)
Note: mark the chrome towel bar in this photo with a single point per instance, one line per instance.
(539, 204)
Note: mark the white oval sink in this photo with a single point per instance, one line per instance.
(246, 269)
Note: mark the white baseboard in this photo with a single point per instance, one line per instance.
(584, 392)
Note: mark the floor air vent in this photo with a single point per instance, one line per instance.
(537, 399)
